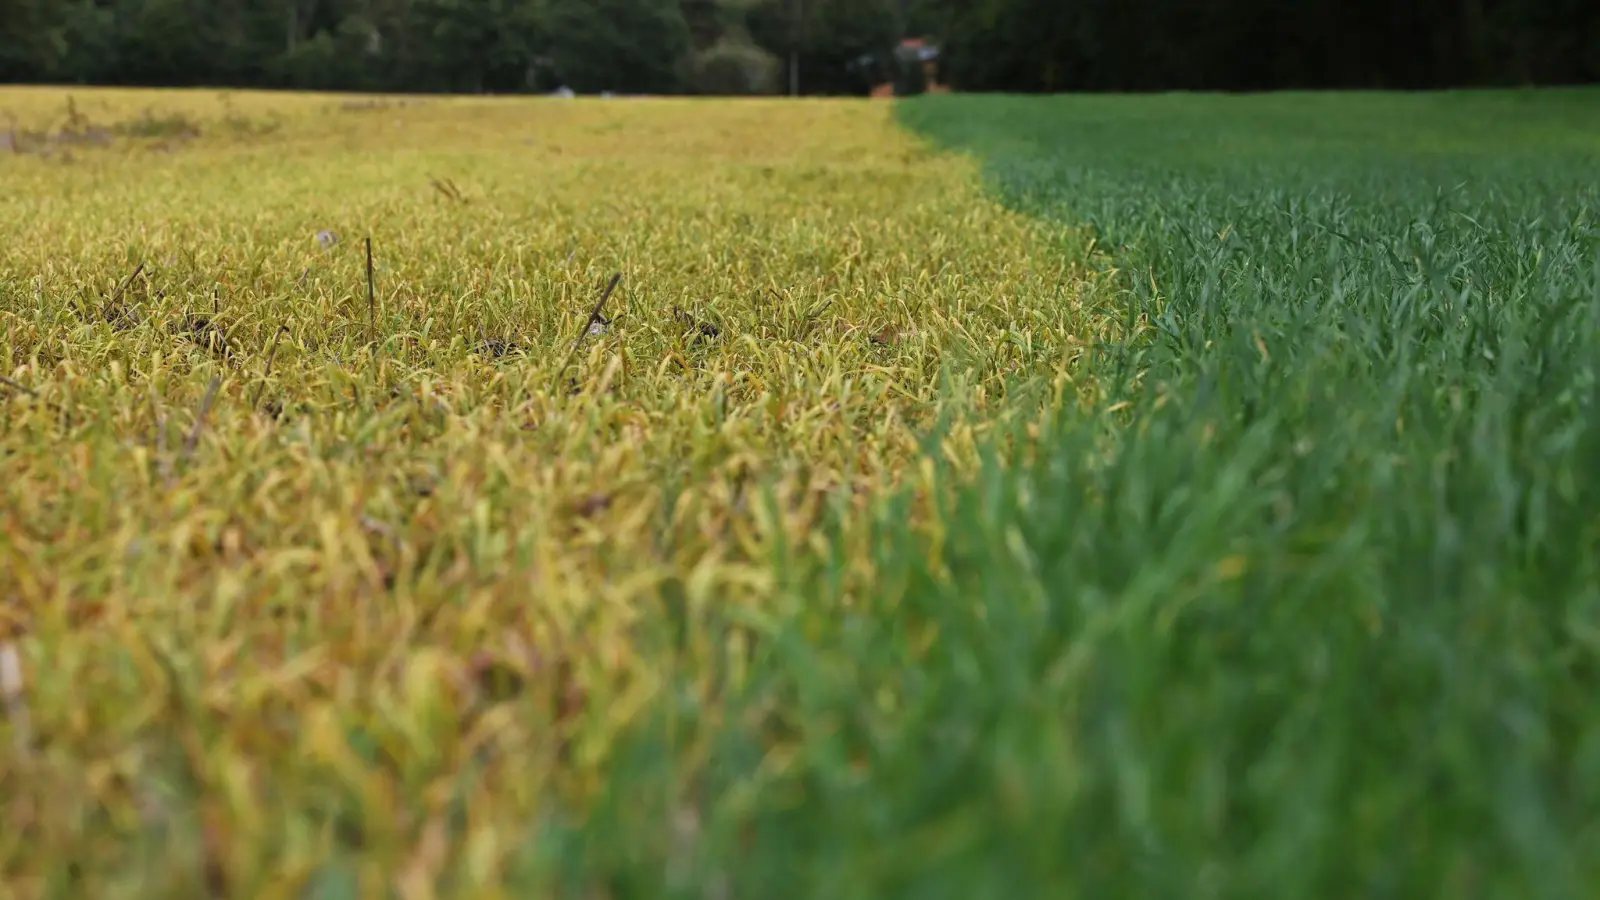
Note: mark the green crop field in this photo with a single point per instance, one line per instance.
(976, 497)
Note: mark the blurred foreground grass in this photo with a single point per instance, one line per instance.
(308, 585)
(1319, 617)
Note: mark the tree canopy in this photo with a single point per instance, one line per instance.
(1140, 45)
(669, 46)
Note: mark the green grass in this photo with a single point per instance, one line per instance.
(1309, 608)
(1320, 616)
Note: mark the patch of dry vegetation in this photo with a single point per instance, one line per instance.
(298, 571)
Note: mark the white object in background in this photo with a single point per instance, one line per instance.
(11, 699)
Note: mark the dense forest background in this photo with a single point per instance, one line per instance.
(842, 46)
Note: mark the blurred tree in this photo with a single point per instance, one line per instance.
(650, 45)
(830, 36)
(732, 67)
(1041, 45)
(346, 57)
(30, 39)
(734, 63)
(165, 42)
(89, 47)
(627, 46)
(472, 46)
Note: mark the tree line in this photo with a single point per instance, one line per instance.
(841, 46)
(463, 46)
(1231, 45)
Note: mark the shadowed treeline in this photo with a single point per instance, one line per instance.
(815, 46)
(461, 46)
(1123, 45)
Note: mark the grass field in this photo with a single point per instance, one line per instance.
(1197, 502)
(1319, 618)
(306, 578)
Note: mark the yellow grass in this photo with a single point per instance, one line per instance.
(418, 495)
